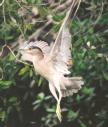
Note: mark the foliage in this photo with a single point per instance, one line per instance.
(25, 100)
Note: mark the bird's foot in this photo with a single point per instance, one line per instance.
(58, 112)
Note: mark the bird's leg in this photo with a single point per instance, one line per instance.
(53, 91)
(58, 109)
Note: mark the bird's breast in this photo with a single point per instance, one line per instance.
(44, 68)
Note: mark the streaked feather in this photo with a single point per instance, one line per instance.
(71, 85)
(40, 44)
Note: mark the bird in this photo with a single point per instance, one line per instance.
(54, 62)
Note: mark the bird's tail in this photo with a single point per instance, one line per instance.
(71, 85)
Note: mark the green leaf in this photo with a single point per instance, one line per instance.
(23, 70)
(41, 96)
(13, 99)
(50, 110)
(2, 115)
(82, 123)
(87, 91)
(105, 75)
(5, 84)
(72, 115)
(56, 28)
(31, 73)
(78, 98)
(91, 30)
(31, 1)
(40, 81)
(58, 18)
(11, 57)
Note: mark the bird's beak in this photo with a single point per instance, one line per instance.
(21, 49)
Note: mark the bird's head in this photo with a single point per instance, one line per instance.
(29, 51)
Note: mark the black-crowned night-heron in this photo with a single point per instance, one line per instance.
(54, 63)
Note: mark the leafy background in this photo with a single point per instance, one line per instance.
(25, 100)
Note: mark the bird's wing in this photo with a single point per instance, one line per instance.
(56, 47)
(63, 60)
(61, 50)
(42, 45)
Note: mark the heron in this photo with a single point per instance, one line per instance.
(54, 62)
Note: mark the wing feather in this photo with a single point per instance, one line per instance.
(61, 50)
(57, 43)
(64, 55)
(40, 44)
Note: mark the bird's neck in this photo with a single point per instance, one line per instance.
(38, 56)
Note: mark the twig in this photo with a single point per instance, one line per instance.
(18, 3)
(100, 14)
(4, 17)
(1, 71)
(62, 6)
(2, 3)
(21, 30)
(14, 55)
(36, 34)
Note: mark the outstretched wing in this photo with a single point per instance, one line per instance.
(56, 47)
(63, 59)
(61, 50)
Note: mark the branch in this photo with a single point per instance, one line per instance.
(2, 3)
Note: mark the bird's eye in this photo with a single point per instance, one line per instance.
(30, 48)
